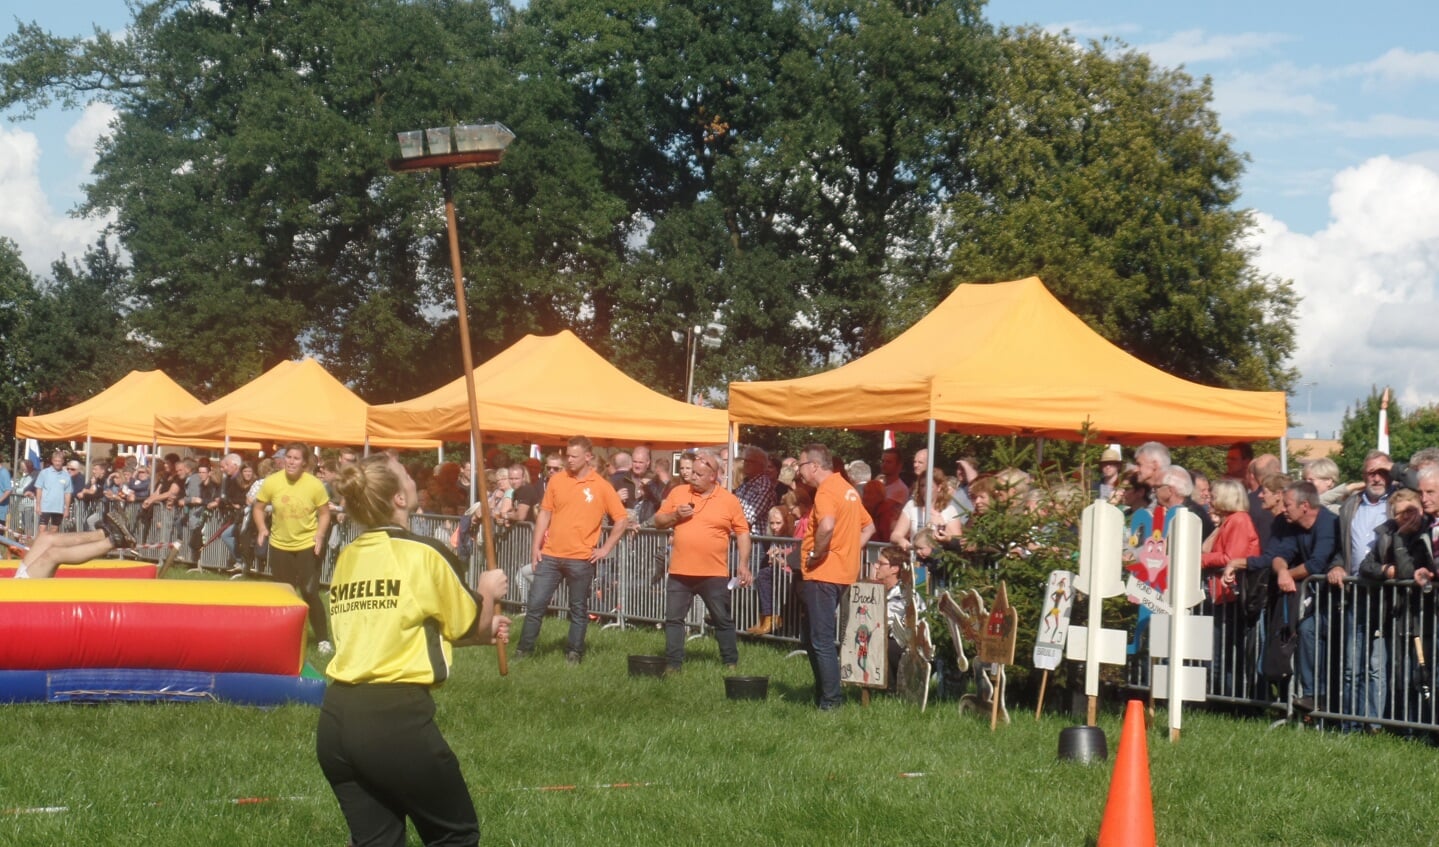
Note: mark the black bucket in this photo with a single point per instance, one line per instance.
(1083, 744)
(746, 687)
(647, 665)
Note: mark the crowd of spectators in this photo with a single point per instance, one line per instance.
(1270, 539)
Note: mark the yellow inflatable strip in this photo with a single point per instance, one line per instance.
(172, 591)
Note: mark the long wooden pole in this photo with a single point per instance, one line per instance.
(468, 360)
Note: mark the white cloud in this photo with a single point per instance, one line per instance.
(83, 136)
(1084, 31)
(1389, 126)
(1281, 89)
(1368, 280)
(1399, 67)
(27, 216)
(1196, 45)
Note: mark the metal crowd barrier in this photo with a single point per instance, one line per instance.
(1373, 643)
(1367, 640)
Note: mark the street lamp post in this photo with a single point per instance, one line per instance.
(474, 145)
(696, 336)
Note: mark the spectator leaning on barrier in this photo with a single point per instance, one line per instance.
(1366, 655)
(566, 544)
(838, 530)
(703, 516)
(1306, 551)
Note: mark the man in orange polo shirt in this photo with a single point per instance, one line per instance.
(567, 530)
(703, 516)
(839, 527)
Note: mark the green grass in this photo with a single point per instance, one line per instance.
(539, 747)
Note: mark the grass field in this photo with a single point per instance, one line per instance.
(560, 755)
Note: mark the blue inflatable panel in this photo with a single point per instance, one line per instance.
(101, 685)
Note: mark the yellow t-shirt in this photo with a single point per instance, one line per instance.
(396, 603)
(577, 506)
(296, 506)
(836, 497)
(701, 544)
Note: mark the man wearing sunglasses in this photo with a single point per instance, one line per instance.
(838, 530)
(703, 516)
(527, 497)
(575, 505)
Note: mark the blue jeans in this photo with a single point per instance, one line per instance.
(1366, 655)
(1311, 645)
(679, 596)
(579, 575)
(820, 601)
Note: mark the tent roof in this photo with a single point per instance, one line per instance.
(1009, 359)
(124, 412)
(544, 388)
(293, 401)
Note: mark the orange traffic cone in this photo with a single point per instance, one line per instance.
(1129, 812)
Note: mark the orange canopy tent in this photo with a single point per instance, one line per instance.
(124, 412)
(1009, 359)
(547, 388)
(293, 401)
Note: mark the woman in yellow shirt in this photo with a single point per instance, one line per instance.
(397, 604)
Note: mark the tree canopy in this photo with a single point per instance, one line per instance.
(812, 174)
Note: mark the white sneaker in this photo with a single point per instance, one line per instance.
(325, 648)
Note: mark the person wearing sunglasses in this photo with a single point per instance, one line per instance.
(830, 555)
(703, 516)
(527, 497)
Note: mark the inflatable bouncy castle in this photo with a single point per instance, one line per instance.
(87, 640)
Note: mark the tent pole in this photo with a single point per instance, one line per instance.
(928, 479)
(366, 448)
(1284, 453)
(733, 454)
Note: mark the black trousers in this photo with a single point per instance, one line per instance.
(301, 568)
(386, 760)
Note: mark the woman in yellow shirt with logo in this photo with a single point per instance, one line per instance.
(397, 605)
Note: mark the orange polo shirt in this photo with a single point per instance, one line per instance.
(577, 505)
(838, 499)
(701, 543)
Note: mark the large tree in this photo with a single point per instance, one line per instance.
(246, 171)
(1112, 180)
(17, 301)
(811, 173)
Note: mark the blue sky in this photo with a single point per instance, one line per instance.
(1335, 105)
